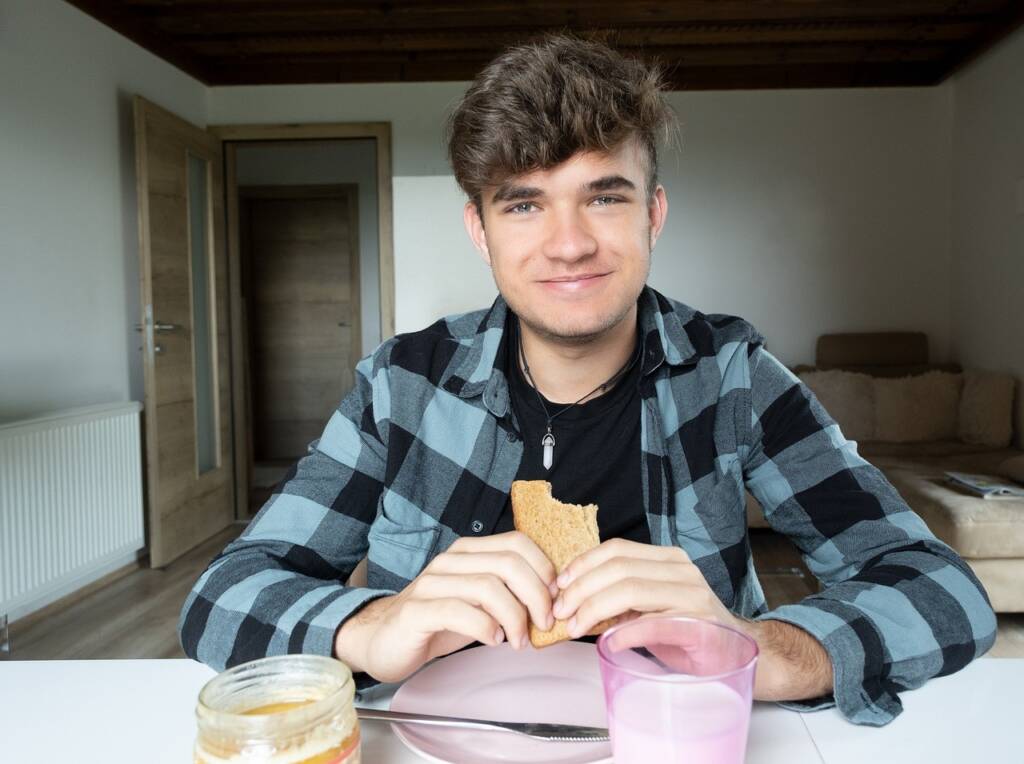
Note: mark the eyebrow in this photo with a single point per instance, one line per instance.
(509, 192)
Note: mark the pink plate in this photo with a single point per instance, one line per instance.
(561, 683)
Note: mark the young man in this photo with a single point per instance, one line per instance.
(581, 375)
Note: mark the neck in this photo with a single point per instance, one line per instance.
(565, 372)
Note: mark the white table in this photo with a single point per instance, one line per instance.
(972, 716)
(112, 711)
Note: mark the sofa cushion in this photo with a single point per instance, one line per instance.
(932, 448)
(983, 462)
(849, 399)
(1012, 468)
(917, 409)
(903, 370)
(986, 408)
(974, 527)
(878, 348)
(1001, 579)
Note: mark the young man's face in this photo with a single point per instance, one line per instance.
(570, 247)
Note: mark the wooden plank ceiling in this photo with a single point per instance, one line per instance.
(705, 44)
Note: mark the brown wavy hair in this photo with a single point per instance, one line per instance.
(538, 104)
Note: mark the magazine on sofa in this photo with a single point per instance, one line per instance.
(986, 487)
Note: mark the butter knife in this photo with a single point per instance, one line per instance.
(567, 733)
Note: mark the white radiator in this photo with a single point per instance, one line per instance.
(70, 502)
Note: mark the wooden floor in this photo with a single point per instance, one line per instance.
(136, 616)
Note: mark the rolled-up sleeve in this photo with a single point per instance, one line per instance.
(897, 605)
(279, 588)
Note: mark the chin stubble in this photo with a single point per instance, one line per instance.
(578, 339)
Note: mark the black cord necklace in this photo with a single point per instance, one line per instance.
(548, 441)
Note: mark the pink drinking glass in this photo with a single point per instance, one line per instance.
(677, 689)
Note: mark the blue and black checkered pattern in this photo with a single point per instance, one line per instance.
(425, 448)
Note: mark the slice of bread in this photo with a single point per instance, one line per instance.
(562, 531)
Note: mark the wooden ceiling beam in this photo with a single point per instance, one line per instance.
(719, 55)
(558, 12)
(682, 78)
(963, 53)
(716, 43)
(496, 39)
(934, 26)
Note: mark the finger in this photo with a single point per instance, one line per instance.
(682, 655)
(617, 548)
(520, 578)
(485, 591)
(682, 650)
(636, 594)
(618, 569)
(430, 617)
(514, 541)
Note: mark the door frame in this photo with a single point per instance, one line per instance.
(348, 191)
(230, 136)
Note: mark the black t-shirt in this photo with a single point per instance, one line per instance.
(596, 454)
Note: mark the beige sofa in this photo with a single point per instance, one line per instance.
(914, 421)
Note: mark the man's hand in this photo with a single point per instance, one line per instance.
(482, 589)
(623, 580)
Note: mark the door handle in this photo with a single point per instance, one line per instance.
(158, 327)
(342, 323)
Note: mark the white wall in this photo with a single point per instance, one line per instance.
(316, 162)
(416, 112)
(69, 291)
(437, 269)
(811, 211)
(988, 214)
(803, 211)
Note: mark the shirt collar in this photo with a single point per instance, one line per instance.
(480, 369)
(663, 324)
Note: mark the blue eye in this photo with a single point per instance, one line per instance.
(604, 201)
(522, 207)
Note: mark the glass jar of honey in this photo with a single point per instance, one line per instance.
(288, 709)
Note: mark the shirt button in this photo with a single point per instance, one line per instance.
(477, 526)
(511, 436)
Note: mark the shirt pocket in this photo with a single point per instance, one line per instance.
(717, 520)
(401, 550)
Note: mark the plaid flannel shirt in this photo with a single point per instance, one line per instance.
(425, 448)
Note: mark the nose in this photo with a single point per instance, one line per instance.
(568, 237)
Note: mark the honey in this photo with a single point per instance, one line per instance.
(291, 709)
(276, 708)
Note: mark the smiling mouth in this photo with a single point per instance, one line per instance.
(574, 279)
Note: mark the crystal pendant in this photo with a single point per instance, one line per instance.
(548, 441)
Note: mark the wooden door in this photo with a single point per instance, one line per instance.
(301, 286)
(189, 466)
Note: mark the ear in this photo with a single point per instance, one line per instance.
(475, 228)
(657, 211)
